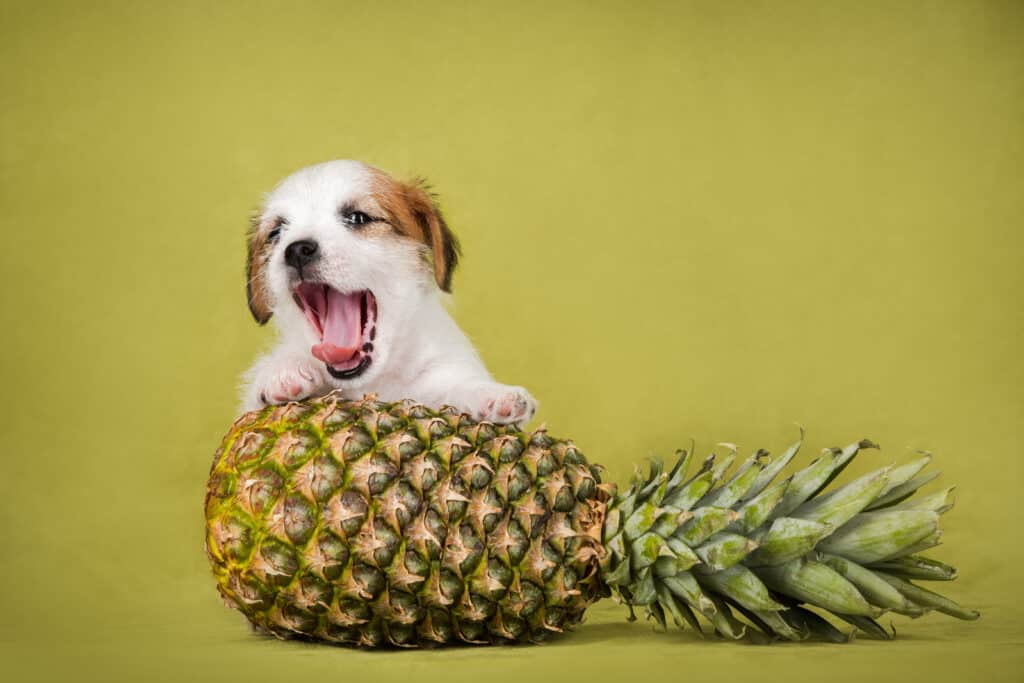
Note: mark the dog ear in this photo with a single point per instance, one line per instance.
(436, 233)
(255, 279)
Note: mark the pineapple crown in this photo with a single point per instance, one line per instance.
(705, 544)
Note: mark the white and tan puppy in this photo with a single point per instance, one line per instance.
(351, 265)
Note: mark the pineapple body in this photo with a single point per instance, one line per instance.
(374, 524)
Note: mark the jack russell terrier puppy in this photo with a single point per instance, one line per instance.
(351, 265)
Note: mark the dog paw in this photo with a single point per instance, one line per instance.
(503, 404)
(287, 384)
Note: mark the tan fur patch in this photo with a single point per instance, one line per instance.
(255, 266)
(411, 210)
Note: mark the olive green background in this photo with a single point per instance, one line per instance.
(679, 220)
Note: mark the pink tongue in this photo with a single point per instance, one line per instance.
(342, 324)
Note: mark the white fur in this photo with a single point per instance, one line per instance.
(419, 351)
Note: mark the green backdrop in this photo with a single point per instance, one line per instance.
(679, 220)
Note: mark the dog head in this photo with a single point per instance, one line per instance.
(342, 253)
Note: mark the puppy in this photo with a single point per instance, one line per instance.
(351, 265)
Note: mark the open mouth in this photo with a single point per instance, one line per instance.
(346, 323)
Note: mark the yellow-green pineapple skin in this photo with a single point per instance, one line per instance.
(372, 523)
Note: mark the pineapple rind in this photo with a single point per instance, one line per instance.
(373, 523)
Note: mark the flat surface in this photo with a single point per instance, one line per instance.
(220, 647)
(704, 220)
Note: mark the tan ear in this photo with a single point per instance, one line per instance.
(255, 273)
(436, 234)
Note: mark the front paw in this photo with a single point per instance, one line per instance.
(502, 404)
(282, 385)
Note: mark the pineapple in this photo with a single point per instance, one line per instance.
(381, 524)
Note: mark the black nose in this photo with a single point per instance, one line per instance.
(300, 253)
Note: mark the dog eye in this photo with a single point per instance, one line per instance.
(356, 218)
(275, 231)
